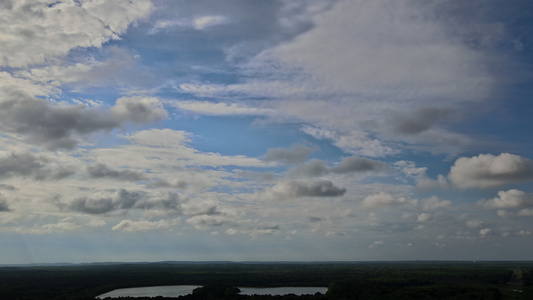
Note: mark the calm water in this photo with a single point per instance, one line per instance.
(182, 290)
(151, 291)
(283, 290)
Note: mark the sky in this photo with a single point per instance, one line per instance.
(265, 130)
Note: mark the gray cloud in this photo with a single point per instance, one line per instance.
(358, 164)
(163, 200)
(139, 109)
(8, 187)
(162, 183)
(53, 127)
(316, 167)
(288, 189)
(315, 219)
(104, 202)
(29, 165)
(208, 214)
(296, 154)
(489, 171)
(23, 164)
(61, 126)
(382, 199)
(4, 206)
(419, 120)
(322, 188)
(102, 171)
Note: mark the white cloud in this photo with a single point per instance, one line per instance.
(505, 214)
(36, 30)
(525, 212)
(204, 22)
(144, 225)
(424, 217)
(382, 199)
(485, 231)
(524, 233)
(206, 221)
(295, 154)
(376, 244)
(220, 108)
(509, 199)
(475, 223)
(489, 171)
(434, 203)
(354, 141)
(364, 72)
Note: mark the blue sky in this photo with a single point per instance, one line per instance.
(265, 130)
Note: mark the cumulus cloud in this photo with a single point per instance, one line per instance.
(434, 203)
(382, 199)
(23, 164)
(102, 171)
(419, 120)
(31, 166)
(295, 154)
(53, 126)
(139, 109)
(358, 164)
(314, 167)
(485, 231)
(489, 171)
(57, 126)
(287, 189)
(424, 217)
(105, 202)
(64, 224)
(526, 212)
(351, 141)
(475, 223)
(353, 164)
(509, 199)
(207, 221)
(376, 244)
(504, 214)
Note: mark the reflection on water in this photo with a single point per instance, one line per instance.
(151, 291)
(182, 290)
(283, 290)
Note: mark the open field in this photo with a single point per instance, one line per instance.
(346, 280)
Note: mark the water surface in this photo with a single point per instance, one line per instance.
(283, 290)
(182, 290)
(151, 291)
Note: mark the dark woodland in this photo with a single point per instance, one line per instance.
(219, 280)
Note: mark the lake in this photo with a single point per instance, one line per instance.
(182, 290)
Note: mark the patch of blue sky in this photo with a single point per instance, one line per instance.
(237, 135)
